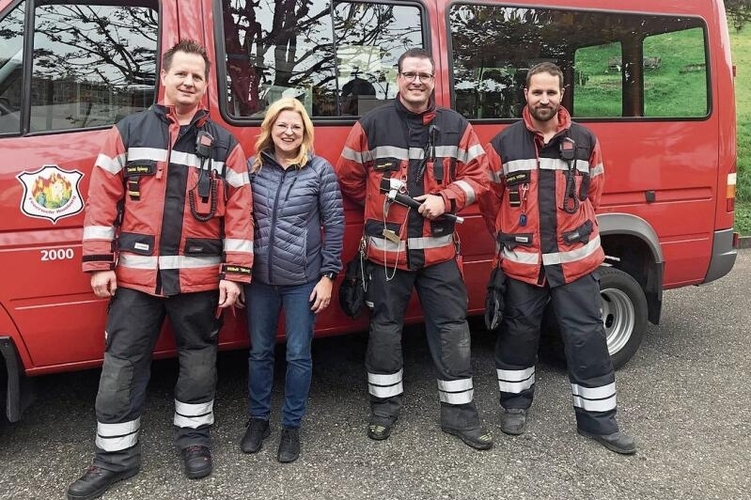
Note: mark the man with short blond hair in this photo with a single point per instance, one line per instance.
(167, 234)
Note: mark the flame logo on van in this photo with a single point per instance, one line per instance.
(51, 193)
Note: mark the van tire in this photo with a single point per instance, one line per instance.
(624, 315)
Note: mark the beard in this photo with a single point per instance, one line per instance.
(543, 114)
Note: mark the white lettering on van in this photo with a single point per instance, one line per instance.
(49, 254)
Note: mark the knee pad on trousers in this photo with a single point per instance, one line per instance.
(384, 353)
(114, 397)
(197, 380)
(455, 351)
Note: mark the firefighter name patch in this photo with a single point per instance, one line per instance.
(51, 193)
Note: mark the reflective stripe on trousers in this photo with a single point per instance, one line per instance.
(594, 398)
(456, 392)
(194, 415)
(116, 437)
(515, 381)
(385, 385)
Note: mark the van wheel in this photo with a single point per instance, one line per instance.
(624, 315)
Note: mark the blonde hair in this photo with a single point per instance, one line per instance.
(265, 142)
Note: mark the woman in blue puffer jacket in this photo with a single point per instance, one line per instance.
(299, 227)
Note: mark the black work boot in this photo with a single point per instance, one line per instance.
(197, 461)
(95, 481)
(289, 445)
(514, 421)
(257, 430)
(619, 442)
(478, 438)
(379, 428)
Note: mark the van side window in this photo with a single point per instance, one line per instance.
(616, 65)
(11, 61)
(92, 64)
(339, 60)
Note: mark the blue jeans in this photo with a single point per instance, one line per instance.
(264, 305)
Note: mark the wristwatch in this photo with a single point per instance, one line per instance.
(329, 275)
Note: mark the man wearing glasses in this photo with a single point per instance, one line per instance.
(413, 149)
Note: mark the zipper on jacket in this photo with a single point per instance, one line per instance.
(292, 184)
(541, 276)
(273, 222)
(159, 175)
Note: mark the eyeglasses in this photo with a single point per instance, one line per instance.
(284, 127)
(423, 77)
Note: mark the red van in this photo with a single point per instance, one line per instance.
(654, 80)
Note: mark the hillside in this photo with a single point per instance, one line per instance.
(741, 51)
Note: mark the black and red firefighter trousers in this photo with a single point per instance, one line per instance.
(578, 308)
(443, 298)
(134, 322)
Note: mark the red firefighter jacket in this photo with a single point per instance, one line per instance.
(435, 152)
(542, 201)
(167, 219)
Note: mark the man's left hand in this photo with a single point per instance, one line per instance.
(432, 206)
(229, 293)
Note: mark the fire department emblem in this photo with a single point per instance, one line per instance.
(51, 193)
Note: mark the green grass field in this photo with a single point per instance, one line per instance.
(678, 78)
(740, 43)
(672, 82)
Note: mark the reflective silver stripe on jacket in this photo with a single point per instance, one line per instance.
(176, 157)
(411, 243)
(533, 258)
(194, 415)
(495, 177)
(193, 160)
(237, 180)
(149, 154)
(166, 262)
(449, 152)
(544, 164)
(599, 169)
(111, 165)
(572, 255)
(98, 233)
(187, 159)
(470, 154)
(353, 155)
(558, 164)
(516, 381)
(456, 392)
(236, 245)
(461, 155)
(468, 191)
(393, 152)
(594, 398)
(116, 437)
(385, 385)
(520, 257)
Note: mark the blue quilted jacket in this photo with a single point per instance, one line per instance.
(299, 221)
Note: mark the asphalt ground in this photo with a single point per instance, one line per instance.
(685, 396)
